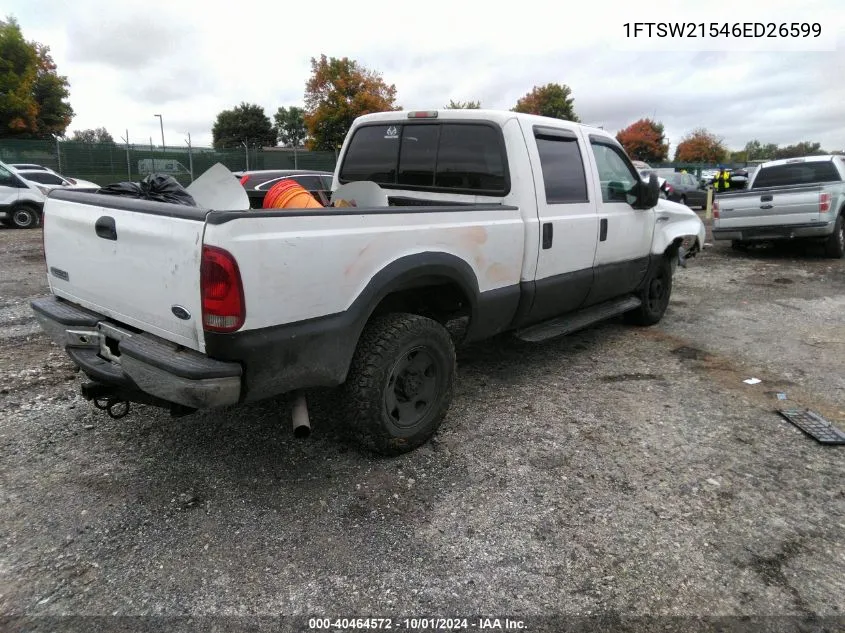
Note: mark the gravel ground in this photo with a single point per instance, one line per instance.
(618, 471)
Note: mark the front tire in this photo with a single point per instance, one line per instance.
(400, 383)
(655, 295)
(835, 245)
(24, 218)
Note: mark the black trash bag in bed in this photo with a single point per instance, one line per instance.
(158, 187)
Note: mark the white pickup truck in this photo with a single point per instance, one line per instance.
(510, 222)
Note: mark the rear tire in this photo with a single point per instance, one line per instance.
(739, 245)
(835, 245)
(25, 218)
(400, 383)
(655, 295)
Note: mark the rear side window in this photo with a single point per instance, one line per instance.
(563, 170)
(796, 174)
(459, 157)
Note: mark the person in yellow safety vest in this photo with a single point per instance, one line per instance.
(722, 181)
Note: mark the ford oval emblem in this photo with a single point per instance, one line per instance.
(180, 312)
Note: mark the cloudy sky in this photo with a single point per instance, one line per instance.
(187, 60)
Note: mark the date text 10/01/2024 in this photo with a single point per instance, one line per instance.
(417, 624)
(723, 29)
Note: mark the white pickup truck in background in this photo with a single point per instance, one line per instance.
(792, 198)
(510, 222)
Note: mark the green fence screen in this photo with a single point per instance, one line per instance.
(110, 162)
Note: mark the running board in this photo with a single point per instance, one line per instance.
(577, 320)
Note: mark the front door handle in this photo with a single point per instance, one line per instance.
(548, 235)
(766, 206)
(105, 228)
(603, 230)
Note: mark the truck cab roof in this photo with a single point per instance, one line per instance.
(499, 117)
(801, 159)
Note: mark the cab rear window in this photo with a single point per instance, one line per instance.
(808, 173)
(448, 157)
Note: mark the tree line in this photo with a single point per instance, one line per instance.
(645, 140)
(34, 105)
(337, 92)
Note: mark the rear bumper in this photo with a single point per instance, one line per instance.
(776, 232)
(138, 362)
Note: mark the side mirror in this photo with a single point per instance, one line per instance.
(648, 193)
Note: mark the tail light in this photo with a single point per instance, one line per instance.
(223, 306)
(669, 188)
(244, 180)
(824, 202)
(715, 210)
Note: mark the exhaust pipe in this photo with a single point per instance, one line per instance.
(301, 423)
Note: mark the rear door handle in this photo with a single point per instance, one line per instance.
(603, 230)
(105, 228)
(766, 197)
(548, 235)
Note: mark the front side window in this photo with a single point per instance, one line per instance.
(616, 176)
(7, 179)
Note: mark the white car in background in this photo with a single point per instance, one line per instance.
(46, 180)
(21, 202)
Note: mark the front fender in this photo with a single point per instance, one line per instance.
(676, 223)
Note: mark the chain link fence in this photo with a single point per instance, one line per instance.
(105, 163)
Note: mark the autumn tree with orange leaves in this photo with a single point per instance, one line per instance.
(338, 91)
(700, 146)
(644, 140)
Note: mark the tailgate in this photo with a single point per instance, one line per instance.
(771, 207)
(131, 260)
